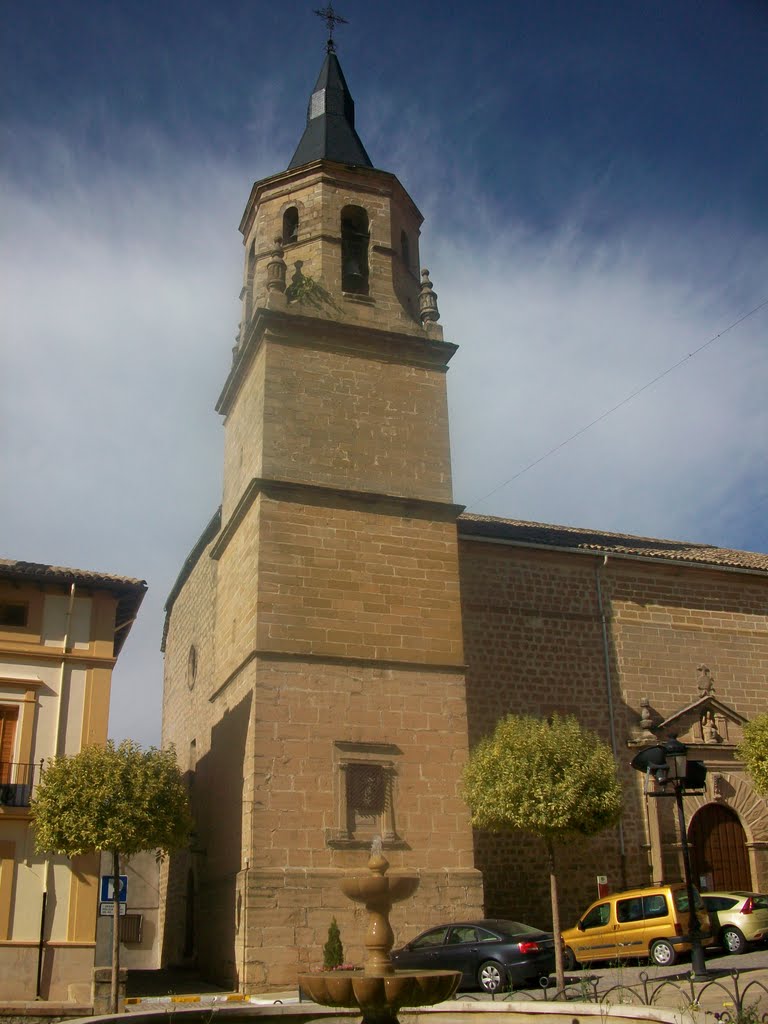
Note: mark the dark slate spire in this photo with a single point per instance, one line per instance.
(330, 133)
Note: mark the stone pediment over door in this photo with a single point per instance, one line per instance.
(707, 721)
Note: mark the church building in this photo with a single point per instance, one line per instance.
(342, 633)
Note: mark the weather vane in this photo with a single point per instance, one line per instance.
(332, 19)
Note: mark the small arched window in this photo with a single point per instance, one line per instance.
(354, 250)
(250, 270)
(290, 225)
(405, 250)
(192, 667)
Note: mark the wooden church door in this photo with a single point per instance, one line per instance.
(719, 850)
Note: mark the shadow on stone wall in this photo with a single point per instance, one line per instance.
(203, 879)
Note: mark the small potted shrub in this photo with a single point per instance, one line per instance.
(333, 951)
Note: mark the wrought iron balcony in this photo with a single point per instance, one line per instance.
(16, 782)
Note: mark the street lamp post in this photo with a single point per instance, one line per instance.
(669, 766)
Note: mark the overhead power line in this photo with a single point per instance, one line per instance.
(619, 405)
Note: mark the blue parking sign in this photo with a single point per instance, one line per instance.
(108, 889)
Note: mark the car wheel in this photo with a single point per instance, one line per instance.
(733, 940)
(491, 976)
(663, 953)
(570, 963)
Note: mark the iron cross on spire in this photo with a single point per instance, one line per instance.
(332, 19)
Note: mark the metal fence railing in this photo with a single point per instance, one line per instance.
(732, 996)
(16, 782)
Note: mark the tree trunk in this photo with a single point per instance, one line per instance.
(559, 971)
(115, 985)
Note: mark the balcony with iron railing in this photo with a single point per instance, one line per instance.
(17, 780)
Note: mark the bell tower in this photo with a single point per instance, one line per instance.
(334, 617)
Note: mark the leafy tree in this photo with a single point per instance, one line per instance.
(753, 751)
(550, 778)
(120, 799)
(333, 951)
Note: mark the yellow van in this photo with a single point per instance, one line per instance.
(650, 922)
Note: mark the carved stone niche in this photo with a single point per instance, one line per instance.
(708, 721)
(365, 777)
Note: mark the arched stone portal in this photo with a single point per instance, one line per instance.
(719, 857)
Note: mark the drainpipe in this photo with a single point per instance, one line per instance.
(47, 864)
(609, 700)
(244, 922)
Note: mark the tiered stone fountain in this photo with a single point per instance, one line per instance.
(379, 991)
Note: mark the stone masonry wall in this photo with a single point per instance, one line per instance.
(358, 583)
(667, 621)
(290, 911)
(191, 625)
(243, 448)
(269, 811)
(333, 416)
(533, 643)
(304, 712)
(237, 594)
(211, 725)
(303, 709)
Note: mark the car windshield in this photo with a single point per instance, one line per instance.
(516, 928)
(681, 900)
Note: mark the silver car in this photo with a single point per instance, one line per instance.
(738, 918)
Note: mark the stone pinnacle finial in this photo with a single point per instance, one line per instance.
(276, 268)
(704, 682)
(646, 719)
(428, 311)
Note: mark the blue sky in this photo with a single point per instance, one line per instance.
(594, 177)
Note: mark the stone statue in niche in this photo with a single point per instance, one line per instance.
(705, 682)
(709, 729)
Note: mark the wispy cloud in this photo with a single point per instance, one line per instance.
(122, 286)
(555, 333)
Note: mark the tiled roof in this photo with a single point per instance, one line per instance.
(129, 592)
(11, 568)
(603, 542)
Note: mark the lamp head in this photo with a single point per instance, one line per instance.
(677, 759)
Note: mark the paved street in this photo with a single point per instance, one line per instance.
(715, 996)
(609, 982)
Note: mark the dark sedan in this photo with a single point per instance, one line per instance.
(491, 955)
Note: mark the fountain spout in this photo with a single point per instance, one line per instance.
(379, 990)
(378, 892)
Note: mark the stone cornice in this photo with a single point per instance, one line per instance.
(40, 652)
(266, 654)
(293, 328)
(316, 494)
(363, 179)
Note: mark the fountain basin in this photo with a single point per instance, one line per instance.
(385, 994)
(367, 887)
(453, 1013)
